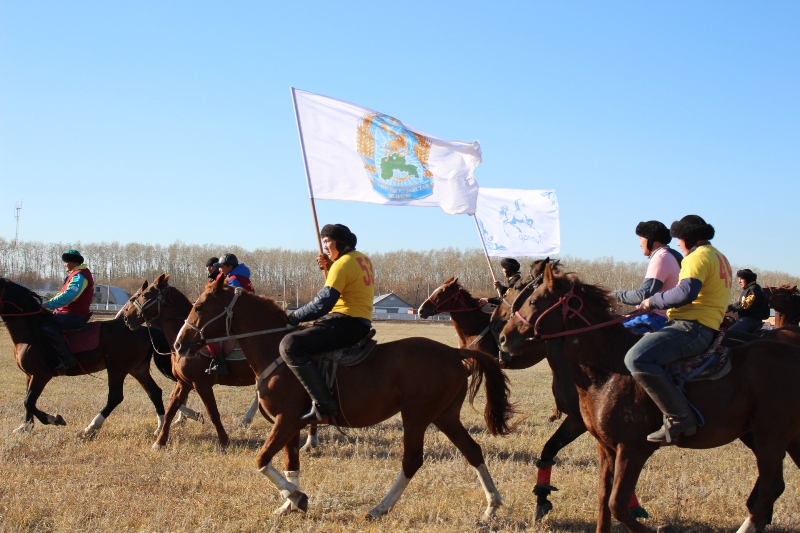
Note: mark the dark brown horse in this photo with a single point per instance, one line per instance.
(785, 300)
(423, 380)
(474, 329)
(120, 352)
(756, 400)
(165, 307)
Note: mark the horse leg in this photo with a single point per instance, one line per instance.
(206, 393)
(250, 414)
(177, 398)
(748, 440)
(312, 441)
(627, 468)
(770, 486)
(605, 466)
(184, 412)
(142, 374)
(450, 424)
(570, 429)
(291, 456)
(283, 433)
(36, 385)
(115, 397)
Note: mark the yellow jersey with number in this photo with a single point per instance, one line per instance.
(352, 275)
(708, 265)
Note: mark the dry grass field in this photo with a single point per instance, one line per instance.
(54, 481)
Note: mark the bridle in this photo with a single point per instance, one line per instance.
(569, 312)
(161, 298)
(458, 298)
(228, 314)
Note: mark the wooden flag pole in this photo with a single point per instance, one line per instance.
(308, 179)
(486, 253)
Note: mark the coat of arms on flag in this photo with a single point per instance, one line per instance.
(395, 158)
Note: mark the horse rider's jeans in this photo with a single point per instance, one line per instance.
(747, 324)
(679, 339)
(63, 321)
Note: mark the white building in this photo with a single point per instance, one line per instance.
(391, 306)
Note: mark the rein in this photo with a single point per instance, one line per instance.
(228, 314)
(459, 299)
(568, 312)
(3, 303)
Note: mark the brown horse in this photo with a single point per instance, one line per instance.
(120, 352)
(756, 400)
(423, 380)
(785, 300)
(475, 330)
(165, 307)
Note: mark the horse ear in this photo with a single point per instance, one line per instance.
(455, 280)
(144, 286)
(218, 284)
(166, 278)
(549, 279)
(159, 280)
(451, 280)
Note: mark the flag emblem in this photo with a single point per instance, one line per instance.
(395, 158)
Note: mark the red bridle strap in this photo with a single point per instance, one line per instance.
(459, 299)
(2, 303)
(568, 312)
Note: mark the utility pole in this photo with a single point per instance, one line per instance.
(18, 208)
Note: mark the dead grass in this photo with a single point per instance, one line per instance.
(54, 481)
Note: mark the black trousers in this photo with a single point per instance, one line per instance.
(331, 332)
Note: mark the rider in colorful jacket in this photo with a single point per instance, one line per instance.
(662, 275)
(753, 306)
(342, 311)
(696, 307)
(237, 275)
(70, 306)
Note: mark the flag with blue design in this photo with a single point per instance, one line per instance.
(355, 154)
(518, 222)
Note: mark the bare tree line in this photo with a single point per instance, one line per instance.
(293, 276)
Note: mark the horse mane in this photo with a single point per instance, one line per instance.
(269, 303)
(596, 299)
(21, 295)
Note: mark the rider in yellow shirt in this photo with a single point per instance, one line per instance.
(696, 307)
(342, 311)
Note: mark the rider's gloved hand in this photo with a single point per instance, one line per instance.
(293, 320)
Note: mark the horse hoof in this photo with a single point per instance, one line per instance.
(87, 434)
(157, 447)
(58, 420)
(667, 529)
(543, 509)
(489, 515)
(286, 508)
(26, 427)
(639, 512)
(223, 450)
(300, 500)
(200, 418)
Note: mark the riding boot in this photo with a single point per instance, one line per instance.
(67, 359)
(219, 366)
(324, 405)
(678, 416)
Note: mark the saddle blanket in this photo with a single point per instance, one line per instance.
(85, 339)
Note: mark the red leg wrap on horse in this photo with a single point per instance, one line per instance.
(634, 503)
(543, 477)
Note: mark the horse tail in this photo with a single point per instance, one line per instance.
(161, 352)
(498, 411)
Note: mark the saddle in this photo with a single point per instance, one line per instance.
(328, 362)
(715, 363)
(84, 338)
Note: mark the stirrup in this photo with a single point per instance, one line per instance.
(218, 368)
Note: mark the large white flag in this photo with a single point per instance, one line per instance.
(353, 153)
(516, 222)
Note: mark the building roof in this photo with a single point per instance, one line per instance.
(380, 298)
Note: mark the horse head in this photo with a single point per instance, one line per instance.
(449, 297)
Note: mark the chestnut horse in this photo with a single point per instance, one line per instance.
(785, 300)
(423, 380)
(474, 329)
(120, 352)
(756, 400)
(165, 307)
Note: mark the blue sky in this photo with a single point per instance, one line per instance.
(163, 121)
